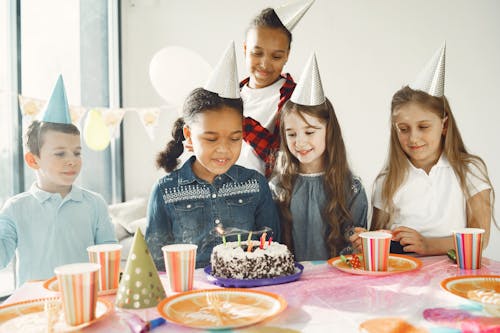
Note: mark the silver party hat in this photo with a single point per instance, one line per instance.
(224, 79)
(431, 78)
(291, 13)
(309, 90)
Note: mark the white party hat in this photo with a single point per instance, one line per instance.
(224, 78)
(431, 78)
(291, 13)
(309, 90)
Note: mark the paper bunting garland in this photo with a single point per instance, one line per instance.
(149, 119)
(111, 118)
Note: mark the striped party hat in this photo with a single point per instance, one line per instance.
(431, 78)
(224, 79)
(309, 90)
(140, 286)
(291, 13)
(57, 109)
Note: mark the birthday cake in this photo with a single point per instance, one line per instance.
(235, 261)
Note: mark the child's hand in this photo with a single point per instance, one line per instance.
(411, 240)
(355, 240)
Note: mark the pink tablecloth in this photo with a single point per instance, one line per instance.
(325, 298)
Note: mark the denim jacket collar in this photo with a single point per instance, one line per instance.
(187, 176)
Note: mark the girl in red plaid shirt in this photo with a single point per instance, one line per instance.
(266, 90)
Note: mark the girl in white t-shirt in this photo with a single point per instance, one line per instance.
(431, 183)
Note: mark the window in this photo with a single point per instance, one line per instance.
(8, 117)
(78, 40)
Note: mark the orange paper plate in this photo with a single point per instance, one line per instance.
(398, 263)
(52, 285)
(461, 285)
(221, 308)
(30, 316)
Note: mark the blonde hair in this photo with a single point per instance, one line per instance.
(337, 175)
(396, 169)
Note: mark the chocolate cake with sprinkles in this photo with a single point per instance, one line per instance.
(234, 261)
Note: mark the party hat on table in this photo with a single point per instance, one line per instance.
(57, 109)
(431, 78)
(140, 286)
(309, 90)
(290, 14)
(224, 78)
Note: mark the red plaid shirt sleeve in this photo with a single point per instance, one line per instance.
(264, 142)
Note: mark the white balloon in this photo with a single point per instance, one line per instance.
(175, 71)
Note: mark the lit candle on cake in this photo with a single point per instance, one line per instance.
(262, 240)
(239, 240)
(249, 242)
(270, 240)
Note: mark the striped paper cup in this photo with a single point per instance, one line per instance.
(180, 262)
(376, 245)
(469, 247)
(78, 285)
(108, 257)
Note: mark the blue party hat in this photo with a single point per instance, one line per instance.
(57, 109)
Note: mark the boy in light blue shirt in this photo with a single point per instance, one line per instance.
(55, 221)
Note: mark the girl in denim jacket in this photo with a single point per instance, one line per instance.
(208, 191)
(320, 200)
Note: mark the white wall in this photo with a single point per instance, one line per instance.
(366, 51)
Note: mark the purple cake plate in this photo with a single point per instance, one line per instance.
(247, 283)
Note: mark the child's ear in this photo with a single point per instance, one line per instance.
(188, 143)
(31, 160)
(244, 49)
(445, 125)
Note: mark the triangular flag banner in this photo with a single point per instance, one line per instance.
(309, 90)
(77, 113)
(57, 108)
(30, 107)
(224, 79)
(113, 119)
(431, 78)
(149, 119)
(140, 286)
(95, 132)
(290, 14)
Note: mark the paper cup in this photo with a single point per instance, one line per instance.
(376, 245)
(108, 257)
(469, 247)
(180, 262)
(78, 286)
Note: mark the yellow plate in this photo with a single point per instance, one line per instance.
(52, 285)
(30, 316)
(398, 263)
(221, 308)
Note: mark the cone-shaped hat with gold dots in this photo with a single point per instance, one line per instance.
(224, 79)
(309, 90)
(431, 78)
(291, 13)
(140, 286)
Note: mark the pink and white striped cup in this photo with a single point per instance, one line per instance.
(376, 246)
(469, 247)
(108, 257)
(78, 286)
(180, 262)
